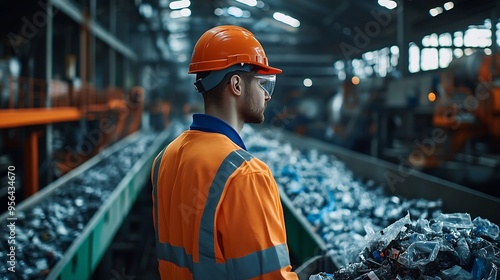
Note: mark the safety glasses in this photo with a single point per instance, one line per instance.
(267, 83)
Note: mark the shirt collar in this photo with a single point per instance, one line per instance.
(208, 123)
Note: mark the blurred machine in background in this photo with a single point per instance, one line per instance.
(450, 126)
(85, 120)
(67, 92)
(469, 113)
(444, 122)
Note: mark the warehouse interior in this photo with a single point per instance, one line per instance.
(404, 94)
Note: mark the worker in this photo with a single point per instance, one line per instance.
(216, 208)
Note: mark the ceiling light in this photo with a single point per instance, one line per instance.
(389, 4)
(286, 19)
(251, 3)
(431, 96)
(307, 82)
(448, 6)
(235, 11)
(355, 80)
(180, 13)
(218, 12)
(383, 3)
(435, 11)
(146, 10)
(395, 50)
(185, 12)
(179, 4)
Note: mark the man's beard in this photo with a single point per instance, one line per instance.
(250, 113)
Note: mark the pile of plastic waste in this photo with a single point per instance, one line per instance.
(363, 227)
(335, 202)
(46, 230)
(451, 246)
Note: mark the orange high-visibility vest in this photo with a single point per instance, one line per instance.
(217, 212)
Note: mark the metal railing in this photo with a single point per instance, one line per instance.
(30, 93)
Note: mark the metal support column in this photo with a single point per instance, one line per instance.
(112, 52)
(92, 45)
(30, 159)
(48, 101)
(495, 13)
(402, 30)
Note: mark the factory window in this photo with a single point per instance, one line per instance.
(430, 40)
(394, 56)
(377, 62)
(383, 66)
(477, 37)
(339, 67)
(458, 41)
(445, 40)
(457, 53)
(414, 58)
(429, 59)
(445, 57)
(498, 33)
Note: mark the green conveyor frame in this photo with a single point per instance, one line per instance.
(83, 256)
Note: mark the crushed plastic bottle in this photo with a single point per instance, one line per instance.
(322, 276)
(453, 253)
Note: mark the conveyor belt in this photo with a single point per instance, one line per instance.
(63, 231)
(418, 191)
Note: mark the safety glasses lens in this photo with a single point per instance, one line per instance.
(267, 82)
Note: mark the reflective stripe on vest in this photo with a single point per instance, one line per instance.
(249, 266)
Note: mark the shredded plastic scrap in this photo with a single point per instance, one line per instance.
(448, 247)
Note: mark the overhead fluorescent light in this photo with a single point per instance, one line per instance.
(218, 12)
(235, 11)
(180, 13)
(286, 19)
(435, 11)
(251, 3)
(448, 6)
(146, 10)
(185, 12)
(307, 82)
(175, 5)
(389, 4)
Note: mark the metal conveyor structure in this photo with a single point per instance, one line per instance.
(63, 231)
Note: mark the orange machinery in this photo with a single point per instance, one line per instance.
(118, 115)
(467, 120)
(470, 107)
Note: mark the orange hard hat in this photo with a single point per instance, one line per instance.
(227, 45)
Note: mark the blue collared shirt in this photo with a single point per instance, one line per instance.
(208, 123)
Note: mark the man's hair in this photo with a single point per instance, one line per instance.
(215, 94)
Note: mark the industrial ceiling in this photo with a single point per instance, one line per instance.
(329, 30)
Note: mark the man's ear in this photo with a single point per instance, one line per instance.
(236, 84)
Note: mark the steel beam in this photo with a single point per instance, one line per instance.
(25, 117)
(71, 10)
